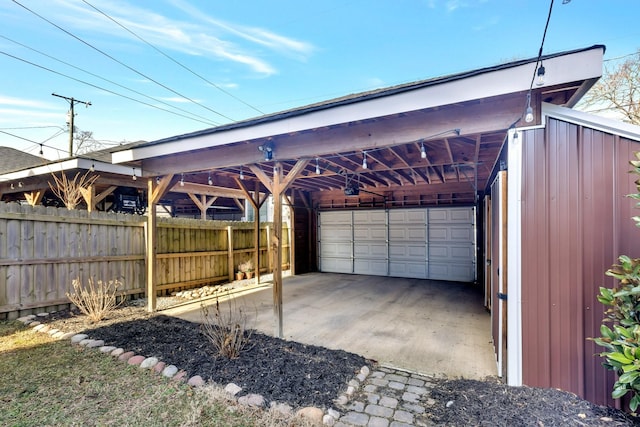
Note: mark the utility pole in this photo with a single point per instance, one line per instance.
(72, 103)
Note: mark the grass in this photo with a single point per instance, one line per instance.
(47, 382)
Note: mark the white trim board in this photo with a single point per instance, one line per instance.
(604, 124)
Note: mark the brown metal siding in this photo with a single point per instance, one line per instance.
(576, 220)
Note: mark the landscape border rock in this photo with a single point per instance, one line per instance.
(173, 373)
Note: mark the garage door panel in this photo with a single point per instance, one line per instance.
(451, 215)
(451, 234)
(371, 267)
(408, 216)
(370, 250)
(453, 253)
(408, 269)
(336, 265)
(334, 250)
(370, 217)
(414, 253)
(377, 232)
(414, 233)
(341, 217)
(451, 271)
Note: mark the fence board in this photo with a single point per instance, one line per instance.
(42, 249)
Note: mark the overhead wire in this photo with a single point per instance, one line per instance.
(206, 120)
(171, 58)
(122, 63)
(99, 87)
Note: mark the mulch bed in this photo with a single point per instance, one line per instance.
(305, 375)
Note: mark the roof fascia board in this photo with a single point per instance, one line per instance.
(604, 124)
(70, 164)
(575, 66)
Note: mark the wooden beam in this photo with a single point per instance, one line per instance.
(157, 191)
(89, 195)
(100, 197)
(203, 203)
(472, 118)
(209, 190)
(33, 198)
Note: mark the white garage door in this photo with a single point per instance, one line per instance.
(426, 243)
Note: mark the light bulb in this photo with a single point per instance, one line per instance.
(423, 152)
(364, 161)
(528, 117)
(540, 76)
(134, 177)
(317, 167)
(241, 174)
(182, 181)
(210, 181)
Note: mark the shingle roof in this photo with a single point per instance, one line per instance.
(14, 160)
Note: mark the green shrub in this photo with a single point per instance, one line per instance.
(622, 341)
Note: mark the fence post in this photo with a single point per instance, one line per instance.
(230, 252)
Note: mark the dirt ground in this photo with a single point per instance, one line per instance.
(303, 375)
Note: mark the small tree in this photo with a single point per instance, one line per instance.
(618, 90)
(68, 190)
(622, 341)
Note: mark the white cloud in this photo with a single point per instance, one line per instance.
(21, 102)
(204, 36)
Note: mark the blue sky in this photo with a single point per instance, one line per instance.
(222, 61)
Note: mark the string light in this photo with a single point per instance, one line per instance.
(528, 117)
(134, 177)
(157, 180)
(93, 167)
(540, 75)
(241, 173)
(317, 167)
(423, 152)
(210, 181)
(182, 181)
(364, 160)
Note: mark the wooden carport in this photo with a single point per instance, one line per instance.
(425, 143)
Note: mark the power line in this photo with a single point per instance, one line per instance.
(206, 120)
(100, 88)
(172, 59)
(122, 63)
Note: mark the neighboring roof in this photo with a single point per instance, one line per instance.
(358, 97)
(13, 160)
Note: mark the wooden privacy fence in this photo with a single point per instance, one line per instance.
(42, 249)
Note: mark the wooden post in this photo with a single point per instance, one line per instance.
(278, 185)
(155, 192)
(230, 262)
(151, 250)
(276, 242)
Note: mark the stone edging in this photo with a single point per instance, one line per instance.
(175, 374)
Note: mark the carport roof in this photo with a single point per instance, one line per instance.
(442, 134)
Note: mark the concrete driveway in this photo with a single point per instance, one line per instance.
(431, 327)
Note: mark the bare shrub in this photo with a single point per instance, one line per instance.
(70, 190)
(226, 328)
(97, 299)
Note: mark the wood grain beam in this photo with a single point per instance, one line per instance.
(472, 118)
